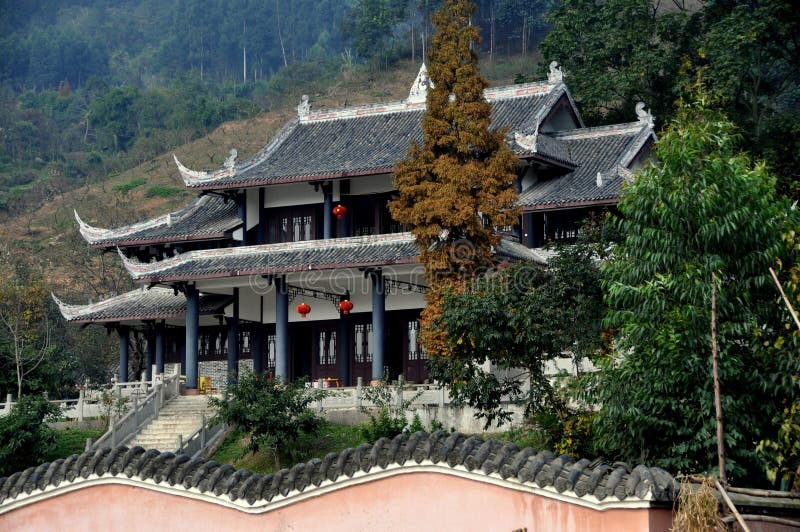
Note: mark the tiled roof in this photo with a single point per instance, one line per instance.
(515, 251)
(208, 217)
(395, 248)
(607, 150)
(597, 483)
(141, 304)
(360, 251)
(362, 140)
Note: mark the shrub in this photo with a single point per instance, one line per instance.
(161, 191)
(273, 413)
(25, 438)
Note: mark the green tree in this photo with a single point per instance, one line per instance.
(25, 328)
(520, 318)
(617, 53)
(456, 187)
(274, 414)
(703, 208)
(752, 50)
(370, 26)
(25, 438)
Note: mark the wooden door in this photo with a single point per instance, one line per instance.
(362, 352)
(415, 357)
(324, 364)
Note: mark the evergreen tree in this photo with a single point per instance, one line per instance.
(703, 209)
(456, 187)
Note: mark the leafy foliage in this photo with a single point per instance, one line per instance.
(462, 168)
(616, 53)
(703, 208)
(273, 413)
(25, 438)
(782, 454)
(456, 187)
(390, 418)
(25, 327)
(528, 316)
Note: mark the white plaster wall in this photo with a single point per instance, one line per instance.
(251, 206)
(291, 194)
(562, 119)
(371, 184)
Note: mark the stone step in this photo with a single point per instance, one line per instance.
(182, 416)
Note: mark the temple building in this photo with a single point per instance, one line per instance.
(289, 262)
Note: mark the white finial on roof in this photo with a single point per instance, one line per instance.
(646, 117)
(230, 161)
(419, 90)
(555, 74)
(599, 180)
(304, 109)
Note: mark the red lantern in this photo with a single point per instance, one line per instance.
(340, 211)
(303, 309)
(346, 306)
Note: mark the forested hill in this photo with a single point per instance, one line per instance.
(46, 43)
(91, 88)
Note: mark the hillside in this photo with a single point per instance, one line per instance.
(48, 235)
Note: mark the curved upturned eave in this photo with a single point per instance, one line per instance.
(68, 312)
(90, 233)
(130, 235)
(193, 178)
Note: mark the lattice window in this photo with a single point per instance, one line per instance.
(244, 344)
(327, 348)
(363, 343)
(271, 351)
(415, 350)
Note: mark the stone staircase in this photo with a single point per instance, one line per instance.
(181, 416)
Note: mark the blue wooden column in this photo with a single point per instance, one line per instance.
(327, 211)
(160, 347)
(181, 346)
(281, 329)
(151, 353)
(530, 226)
(261, 233)
(257, 341)
(192, 335)
(233, 339)
(344, 226)
(378, 323)
(344, 346)
(124, 342)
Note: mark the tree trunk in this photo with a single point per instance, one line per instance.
(715, 366)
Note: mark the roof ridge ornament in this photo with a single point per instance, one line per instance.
(230, 161)
(304, 107)
(644, 116)
(555, 74)
(419, 89)
(528, 140)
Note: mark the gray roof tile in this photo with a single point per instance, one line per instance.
(360, 141)
(361, 251)
(154, 303)
(607, 150)
(526, 466)
(209, 217)
(396, 248)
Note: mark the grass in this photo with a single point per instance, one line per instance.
(332, 438)
(70, 441)
(162, 191)
(130, 185)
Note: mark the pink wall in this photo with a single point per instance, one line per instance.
(414, 501)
